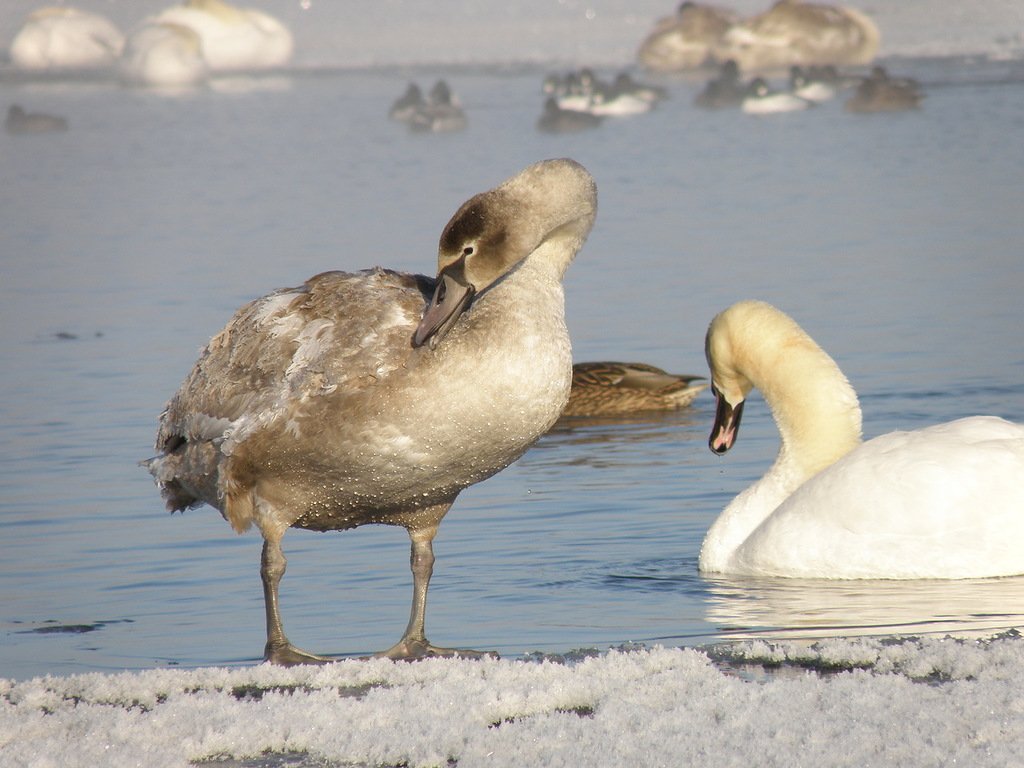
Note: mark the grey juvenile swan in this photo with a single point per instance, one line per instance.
(357, 398)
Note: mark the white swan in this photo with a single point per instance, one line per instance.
(65, 38)
(234, 39)
(164, 54)
(357, 399)
(942, 502)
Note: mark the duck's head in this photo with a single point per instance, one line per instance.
(553, 202)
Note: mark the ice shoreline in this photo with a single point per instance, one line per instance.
(895, 701)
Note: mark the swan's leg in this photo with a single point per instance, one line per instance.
(278, 649)
(414, 643)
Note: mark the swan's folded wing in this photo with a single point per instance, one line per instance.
(293, 345)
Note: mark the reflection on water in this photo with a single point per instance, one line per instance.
(799, 608)
(745, 608)
(627, 429)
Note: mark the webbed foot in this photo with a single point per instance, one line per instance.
(412, 650)
(287, 655)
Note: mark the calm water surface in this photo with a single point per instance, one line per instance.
(896, 240)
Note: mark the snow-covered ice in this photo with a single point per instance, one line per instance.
(909, 702)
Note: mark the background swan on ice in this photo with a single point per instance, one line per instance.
(65, 38)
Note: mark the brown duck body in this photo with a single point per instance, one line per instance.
(610, 388)
(881, 93)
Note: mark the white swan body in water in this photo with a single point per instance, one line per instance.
(942, 502)
(65, 38)
(358, 399)
(234, 39)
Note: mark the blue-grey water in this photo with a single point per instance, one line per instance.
(125, 243)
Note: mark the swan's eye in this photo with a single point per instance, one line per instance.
(467, 251)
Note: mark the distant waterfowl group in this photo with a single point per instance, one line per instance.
(579, 100)
(584, 91)
(180, 46)
(573, 102)
(806, 87)
(789, 32)
(438, 112)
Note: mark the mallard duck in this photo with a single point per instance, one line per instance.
(406, 105)
(378, 396)
(725, 90)
(554, 119)
(440, 112)
(881, 93)
(19, 121)
(610, 388)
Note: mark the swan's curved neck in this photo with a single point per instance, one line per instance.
(813, 405)
(818, 417)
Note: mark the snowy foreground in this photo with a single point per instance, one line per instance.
(907, 702)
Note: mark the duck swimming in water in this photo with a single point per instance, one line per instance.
(942, 502)
(724, 90)
(600, 389)
(378, 396)
(19, 121)
(440, 112)
(879, 92)
(554, 119)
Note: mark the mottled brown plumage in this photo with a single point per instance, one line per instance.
(608, 388)
(879, 92)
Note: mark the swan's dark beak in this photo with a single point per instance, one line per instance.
(727, 424)
(451, 298)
